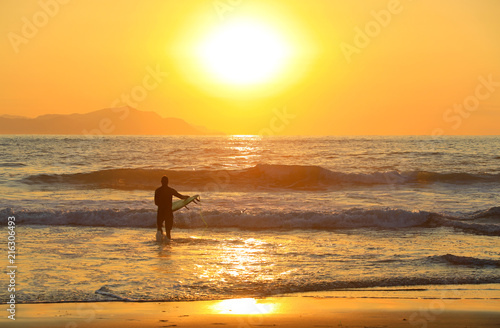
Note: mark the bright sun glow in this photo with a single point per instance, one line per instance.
(244, 53)
(246, 306)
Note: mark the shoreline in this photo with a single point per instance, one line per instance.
(289, 311)
(488, 291)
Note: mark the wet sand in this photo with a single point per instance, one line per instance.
(268, 312)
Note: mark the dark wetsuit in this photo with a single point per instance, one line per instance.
(163, 199)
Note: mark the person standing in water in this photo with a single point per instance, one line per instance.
(163, 199)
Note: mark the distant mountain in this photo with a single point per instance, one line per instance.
(109, 121)
(11, 116)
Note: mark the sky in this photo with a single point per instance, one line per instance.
(293, 67)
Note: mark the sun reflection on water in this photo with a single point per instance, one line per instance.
(248, 306)
(243, 150)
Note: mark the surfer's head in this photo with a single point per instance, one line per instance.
(164, 180)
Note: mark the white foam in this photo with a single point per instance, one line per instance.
(264, 220)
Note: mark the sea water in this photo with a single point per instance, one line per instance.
(278, 215)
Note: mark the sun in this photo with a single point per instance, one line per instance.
(244, 52)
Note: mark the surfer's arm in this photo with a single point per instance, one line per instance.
(176, 194)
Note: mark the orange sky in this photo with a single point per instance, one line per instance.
(420, 67)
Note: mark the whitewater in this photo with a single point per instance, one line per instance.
(278, 215)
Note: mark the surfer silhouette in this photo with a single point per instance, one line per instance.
(163, 199)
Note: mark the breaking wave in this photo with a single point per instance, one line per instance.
(261, 176)
(356, 218)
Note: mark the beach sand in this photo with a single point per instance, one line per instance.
(267, 312)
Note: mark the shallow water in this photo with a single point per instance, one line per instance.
(57, 263)
(278, 215)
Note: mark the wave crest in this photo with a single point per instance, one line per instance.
(356, 218)
(261, 176)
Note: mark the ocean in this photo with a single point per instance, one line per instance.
(398, 216)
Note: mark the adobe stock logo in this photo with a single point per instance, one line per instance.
(140, 92)
(131, 99)
(280, 120)
(222, 7)
(461, 111)
(31, 27)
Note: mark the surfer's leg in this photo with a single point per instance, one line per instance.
(169, 222)
(159, 221)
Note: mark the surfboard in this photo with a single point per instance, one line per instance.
(177, 205)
